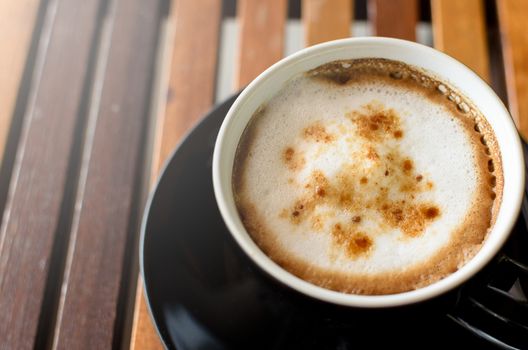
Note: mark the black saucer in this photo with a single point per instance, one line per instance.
(203, 293)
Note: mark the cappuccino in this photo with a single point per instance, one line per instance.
(368, 176)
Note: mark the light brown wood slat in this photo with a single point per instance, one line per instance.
(192, 70)
(326, 20)
(40, 173)
(261, 37)
(144, 335)
(194, 28)
(105, 219)
(513, 20)
(17, 20)
(459, 29)
(394, 18)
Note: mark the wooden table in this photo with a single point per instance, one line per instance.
(95, 94)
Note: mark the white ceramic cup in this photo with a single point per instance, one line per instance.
(440, 65)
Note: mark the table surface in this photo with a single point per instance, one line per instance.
(94, 96)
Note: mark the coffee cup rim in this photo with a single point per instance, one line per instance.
(434, 62)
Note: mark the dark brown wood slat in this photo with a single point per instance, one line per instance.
(394, 18)
(107, 216)
(459, 29)
(326, 20)
(37, 186)
(193, 34)
(513, 18)
(261, 37)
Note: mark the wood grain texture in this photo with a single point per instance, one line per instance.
(110, 174)
(39, 175)
(326, 20)
(144, 335)
(513, 19)
(194, 33)
(17, 21)
(194, 57)
(459, 29)
(394, 18)
(261, 37)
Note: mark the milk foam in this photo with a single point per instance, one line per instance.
(436, 140)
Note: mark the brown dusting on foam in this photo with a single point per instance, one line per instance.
(354, 243)
(410, 219)
(317, 133)
(407, 165)
(372, 154)
(375, 123)
(293, 160)
(389, 191)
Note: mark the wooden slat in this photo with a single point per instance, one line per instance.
(261, 37)
(192, 69)
(144, 335)
(17, 20)
(106, 217)
(513, 20)
(459, 29)
(195, 31)
(394, 18)
(326, 20)
(39, 175)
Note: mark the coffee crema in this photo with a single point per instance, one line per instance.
(368, 176)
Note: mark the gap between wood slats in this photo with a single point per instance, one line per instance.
(37, 189)
(159, 96)
(496, 61)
